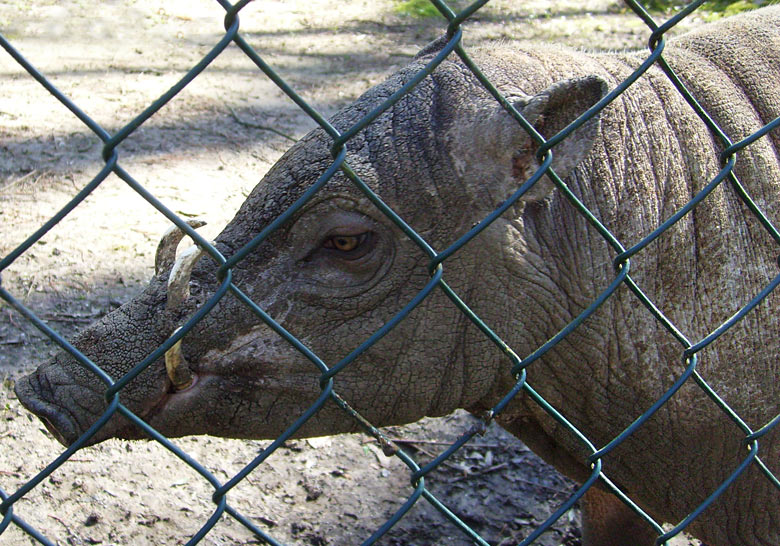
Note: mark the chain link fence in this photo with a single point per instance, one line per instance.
(329, 375)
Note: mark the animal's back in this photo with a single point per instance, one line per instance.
(653, 155)
(741, 59)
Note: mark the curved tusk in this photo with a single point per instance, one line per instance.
(166, 249)
(177, 368)
(179, 279)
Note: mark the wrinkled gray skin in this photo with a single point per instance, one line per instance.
(444, 157)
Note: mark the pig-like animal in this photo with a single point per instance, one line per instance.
(444, 157)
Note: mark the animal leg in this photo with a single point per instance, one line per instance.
(607, 521)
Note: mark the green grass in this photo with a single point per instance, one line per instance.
(723, 8)
(717, 8)
(416, 8)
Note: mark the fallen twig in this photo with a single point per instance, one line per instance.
(18, 180)
(70, 532)
(29, 290)
(68, 317)
(480, 472)
(452, 466)
(257, 125)
(440, 443)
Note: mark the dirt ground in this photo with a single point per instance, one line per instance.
(201, 155)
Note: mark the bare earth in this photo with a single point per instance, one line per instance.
(201, 155)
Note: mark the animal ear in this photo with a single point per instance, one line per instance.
(495, 155)
(549, 112)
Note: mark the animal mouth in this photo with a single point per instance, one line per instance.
(68, 405)
(66, 427)
(174, 395)
(36, 394)
(68, 409)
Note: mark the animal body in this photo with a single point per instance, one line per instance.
(444, 157)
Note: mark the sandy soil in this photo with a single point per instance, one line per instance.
(201, 155)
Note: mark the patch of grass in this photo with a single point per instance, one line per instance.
(725, 8)
(416, 8)
(715, 8)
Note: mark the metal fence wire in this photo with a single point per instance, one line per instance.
(329, 377)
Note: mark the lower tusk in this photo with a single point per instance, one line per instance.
(177, 368)
(166, 250)
(179, 279)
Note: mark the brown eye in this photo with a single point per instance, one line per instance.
(344, 243)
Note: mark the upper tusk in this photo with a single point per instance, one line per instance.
(177, 368)
(179, 279)
(166, 250)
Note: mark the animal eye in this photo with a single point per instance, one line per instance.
(344, 243)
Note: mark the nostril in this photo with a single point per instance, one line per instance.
(34, 392)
